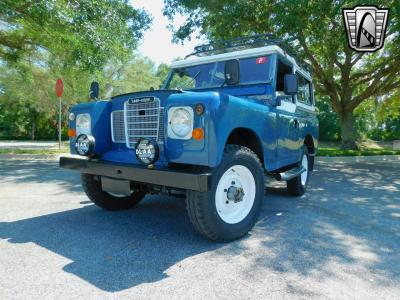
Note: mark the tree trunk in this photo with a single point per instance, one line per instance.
(33, 131)
(33, 127)
(347, 130)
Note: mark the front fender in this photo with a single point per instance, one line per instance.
(101, 127)
(223, 114)
(190, 151)
(235, 112)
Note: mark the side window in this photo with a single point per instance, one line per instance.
(254, 70)
(304, 93)
(282, 69)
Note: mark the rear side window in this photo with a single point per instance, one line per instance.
(304, 92)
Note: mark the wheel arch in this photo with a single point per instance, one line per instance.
(311, 148)
(243, 136)
(309, 143)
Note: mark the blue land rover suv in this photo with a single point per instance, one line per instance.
(228, 117)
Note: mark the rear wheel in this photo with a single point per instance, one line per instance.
(92, 186)
(298, 185)
(231, 207)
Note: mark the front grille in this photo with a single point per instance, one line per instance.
(118, 126)
(143, 120)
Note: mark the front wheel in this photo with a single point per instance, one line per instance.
(298, 185)
(231, 207)
(92, 186)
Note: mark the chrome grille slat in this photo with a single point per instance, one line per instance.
(139, 116)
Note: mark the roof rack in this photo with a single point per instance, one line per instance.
(242, 43)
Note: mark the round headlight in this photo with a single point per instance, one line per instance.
(83, 124)
(146, 151)
(181, 122)
(84, 144)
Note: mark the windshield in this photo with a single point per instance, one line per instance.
(252, 71)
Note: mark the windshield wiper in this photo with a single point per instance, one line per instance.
(194, 78)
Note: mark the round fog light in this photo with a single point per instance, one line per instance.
(84, 144)
(146, 151)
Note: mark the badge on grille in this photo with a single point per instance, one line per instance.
(147, 151)
(365, 27)
(141, 100)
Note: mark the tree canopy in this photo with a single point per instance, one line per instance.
(315, 31)
(78, 41)
(84, 33)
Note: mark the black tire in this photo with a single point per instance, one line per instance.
(295, 186)
(202, 207)
(92, 186)
(311, 162)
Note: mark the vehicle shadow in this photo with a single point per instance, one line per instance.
(38, 171)
(349, 218)
(115, 250)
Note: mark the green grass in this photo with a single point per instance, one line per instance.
(331, 150)
(360, 152)
(34, 151)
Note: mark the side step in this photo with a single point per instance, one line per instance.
(290, 174)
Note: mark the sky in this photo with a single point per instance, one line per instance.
(157, 43)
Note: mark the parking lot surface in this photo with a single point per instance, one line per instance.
(339, 241)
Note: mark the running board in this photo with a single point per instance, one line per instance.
(290, 174)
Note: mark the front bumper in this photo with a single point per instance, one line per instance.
(157, 176)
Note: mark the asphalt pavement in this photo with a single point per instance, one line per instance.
(339, 241)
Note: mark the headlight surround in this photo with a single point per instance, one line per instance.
(180, 122)
(83, 124)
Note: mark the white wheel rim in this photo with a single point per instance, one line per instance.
(239, 177)
(304, 163)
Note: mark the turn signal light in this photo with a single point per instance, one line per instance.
(198, 133)
(71, 133)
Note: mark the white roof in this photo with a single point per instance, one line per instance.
(234, 55)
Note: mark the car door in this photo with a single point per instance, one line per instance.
(288, 126)
(304, 107)
(288, 131)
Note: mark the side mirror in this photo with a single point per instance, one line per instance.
(290, 86)
(94, 90)
(232, 72)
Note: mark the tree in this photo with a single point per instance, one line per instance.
(137, 74)
(84, 33)
(43, 40)
(28, 105)
(315, 31)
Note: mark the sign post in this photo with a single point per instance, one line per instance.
(59, 92)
